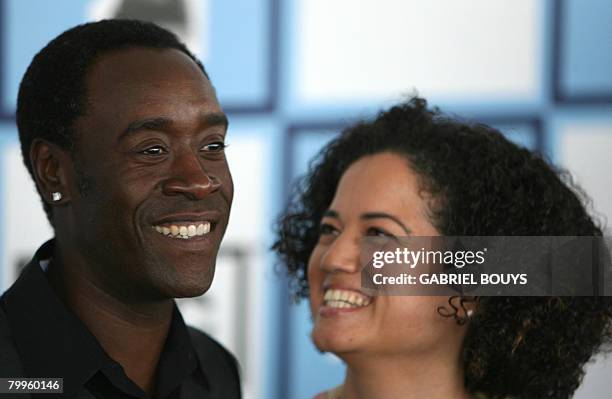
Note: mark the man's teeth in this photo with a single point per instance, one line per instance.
(345, 299)
(184, 231)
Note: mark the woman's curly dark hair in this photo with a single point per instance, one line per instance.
(481, 184)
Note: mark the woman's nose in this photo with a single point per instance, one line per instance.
(343, 255)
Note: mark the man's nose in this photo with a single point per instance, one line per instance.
(188, 177)
(343, 255)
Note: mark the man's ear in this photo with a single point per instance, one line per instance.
(50, 164)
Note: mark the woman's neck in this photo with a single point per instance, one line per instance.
(395, 376)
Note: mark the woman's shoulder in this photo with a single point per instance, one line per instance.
(336, 392)
(331, 394)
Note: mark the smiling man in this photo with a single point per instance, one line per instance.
(123, 135)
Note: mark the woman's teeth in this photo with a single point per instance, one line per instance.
(345, 299)
(184, 231)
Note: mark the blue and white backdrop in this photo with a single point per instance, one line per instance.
(290, 74)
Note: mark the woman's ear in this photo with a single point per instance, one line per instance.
(50, 165)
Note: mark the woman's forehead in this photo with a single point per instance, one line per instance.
(384, 179)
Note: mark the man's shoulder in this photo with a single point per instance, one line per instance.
(216, 361)
(10, 363)
(207, 344)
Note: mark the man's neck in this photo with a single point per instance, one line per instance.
(133, 334)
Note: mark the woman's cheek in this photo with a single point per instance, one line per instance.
(315, 278)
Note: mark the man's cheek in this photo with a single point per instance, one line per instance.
(228, 187)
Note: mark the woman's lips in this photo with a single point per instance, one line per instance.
(338, 300)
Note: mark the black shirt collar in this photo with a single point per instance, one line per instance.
(53, 342)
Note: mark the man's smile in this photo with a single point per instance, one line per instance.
(187, 226)
(184, 230)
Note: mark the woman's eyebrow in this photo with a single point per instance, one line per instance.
(330, 213)
(382, 215)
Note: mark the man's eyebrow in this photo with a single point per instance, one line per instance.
(383, 215)
(156, 123)
(216, 119)
(161, 122)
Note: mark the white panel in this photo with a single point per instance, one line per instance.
(245, 155)
(25, 223)
(468, 49)
(232, 310)
(596, 383)
(190, 31)
(586, 150)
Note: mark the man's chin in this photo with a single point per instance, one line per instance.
(187, 284)
(182, 274)
(184, 291)
(191, 291)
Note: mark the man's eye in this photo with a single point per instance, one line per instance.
(217, 146)
(154, 151)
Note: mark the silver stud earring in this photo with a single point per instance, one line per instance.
(56, 196)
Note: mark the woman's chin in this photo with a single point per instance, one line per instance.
(334, 341)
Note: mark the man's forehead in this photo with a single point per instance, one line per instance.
(137, 66)
(142, 75)
(128, 85)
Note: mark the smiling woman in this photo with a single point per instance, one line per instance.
(413, 171)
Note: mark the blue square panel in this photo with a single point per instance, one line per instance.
(309, 372)
(231, 38)
(28, 27)
(583, 143)
(524, 132)
(585, 45)
(241, 51)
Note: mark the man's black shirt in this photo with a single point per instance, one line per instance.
(40, 337)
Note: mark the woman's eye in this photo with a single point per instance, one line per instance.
(377, 232)
(154, 151)
(217, 146)
(325, 229)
